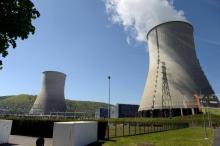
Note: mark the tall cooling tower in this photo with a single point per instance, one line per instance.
(51, 97)
(174, 75)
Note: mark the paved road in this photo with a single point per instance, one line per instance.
(15, 140)
(216, 137)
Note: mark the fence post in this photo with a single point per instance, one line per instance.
(159, 127)
(108, 131)
(135, 127)
(129, 128)
(166, 126)
(115, 129)
(148, 128)
(154, 126)
(144, 127)
(139, 127)
(123, 128)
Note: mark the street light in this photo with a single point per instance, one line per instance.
(204, 106)
(109, 95)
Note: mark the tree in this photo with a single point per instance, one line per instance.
(16, 18)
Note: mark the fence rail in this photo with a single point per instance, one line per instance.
(120, 129)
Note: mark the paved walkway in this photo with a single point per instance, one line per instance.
(216, 137)
(15, 140)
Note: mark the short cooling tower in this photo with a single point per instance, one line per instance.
(174, 75)
(51, 97)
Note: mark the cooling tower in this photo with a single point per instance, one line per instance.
(174, 75)
(51, 97)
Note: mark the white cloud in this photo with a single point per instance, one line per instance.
(215, 3)
(128, 40)
(139, 16)
(211, 42)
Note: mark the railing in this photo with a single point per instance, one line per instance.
(120, 129)
(54, 115)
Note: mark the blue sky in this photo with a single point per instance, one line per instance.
(77, 38)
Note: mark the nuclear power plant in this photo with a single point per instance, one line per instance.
(176, 84)
(51, 97)
(175, 75)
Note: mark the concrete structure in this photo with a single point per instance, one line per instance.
(101, 113)
(75, 133)
(5, 130)
(51, 97)
(124, 111)
(175, 74)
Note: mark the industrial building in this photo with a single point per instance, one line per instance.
(175, 75)
(101, 113)
(124, 111)
(51, 97)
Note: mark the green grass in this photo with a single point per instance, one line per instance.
(181, 137)
(214, 111)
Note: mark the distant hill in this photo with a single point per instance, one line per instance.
(83, 106)
(23, 103)
(17, 103)
(3, 97)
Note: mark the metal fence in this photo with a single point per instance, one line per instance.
(120, 129)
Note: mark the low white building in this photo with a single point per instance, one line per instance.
(79, 133)
(5, 130)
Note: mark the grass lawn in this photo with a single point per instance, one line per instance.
(181, 137)
(214, 111)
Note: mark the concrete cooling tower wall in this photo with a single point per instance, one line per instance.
(175, 75)
(51, 97)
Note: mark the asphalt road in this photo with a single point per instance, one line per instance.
(15, 140)
(216, 137)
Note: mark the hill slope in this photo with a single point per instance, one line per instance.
(23, 103)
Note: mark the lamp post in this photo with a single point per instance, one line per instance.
(109, 95)
(207, 109)
(204, 112)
